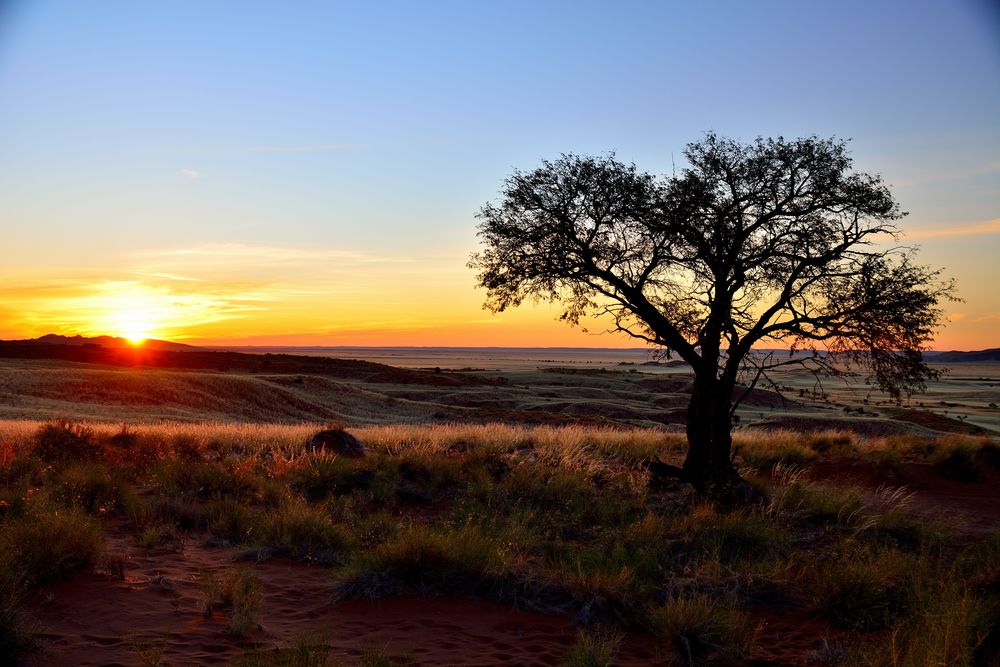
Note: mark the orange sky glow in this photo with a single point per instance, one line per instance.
(235, 294)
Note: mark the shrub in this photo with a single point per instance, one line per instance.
(305, 652)
(302, 531)
(139, 451)
(862, 589)
(93, 487)
(732, 537)
(959, 461)
(65, 441)
(946, 626)
(156, 535)
(48, 545)
(321, 474)
(229, 519)
(422, 560)
(377, 657)
(237, 590)
(695, 626)
(839, 506)
(187, 447)
(208, 480)
(593, 650)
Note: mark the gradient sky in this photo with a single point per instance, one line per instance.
(308, 173)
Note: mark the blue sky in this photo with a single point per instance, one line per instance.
(132, 132)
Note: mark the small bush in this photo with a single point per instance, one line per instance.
(862, 590)
(695, 627)
(424, 561)
(208, 480)
(156, 535)
(93, 487)
(302, 531)
(229, 519)
(305, 652)
(732, 537)
(593, 650)
(237, 590)
(320, 475)
(377, 657)
(839, 506)
(946, 626)
(959, 461)
(187, 448)
(48, 545)
(64, 441)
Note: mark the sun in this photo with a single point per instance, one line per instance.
(135, 326)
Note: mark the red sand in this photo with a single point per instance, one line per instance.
(95, 619)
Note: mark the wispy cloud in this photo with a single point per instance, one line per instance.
(987, 227)
(191, 173)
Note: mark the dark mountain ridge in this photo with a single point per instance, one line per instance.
(102, 341)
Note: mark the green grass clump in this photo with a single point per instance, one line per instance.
(593, 650)
(379, 657)
(424, 561)
(826, 504)
(304, 652)
(301, 531)
(47, 544)
(732, 537)
(763, 454)
(236, 590)
(156, 535)
(93, 487)
(959, 460)
(208, 480)
(319, 475)
(64, 441)
(862, 589)
(230, 520)
(947, 625)
(697, 627)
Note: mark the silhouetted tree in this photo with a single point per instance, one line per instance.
(771, 243)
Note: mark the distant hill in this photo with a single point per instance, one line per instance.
(102, 341)
(955, 357)
(187, 357)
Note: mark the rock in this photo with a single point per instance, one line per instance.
(338, 441)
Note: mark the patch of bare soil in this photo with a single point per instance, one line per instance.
(97, 619)
(972, 505)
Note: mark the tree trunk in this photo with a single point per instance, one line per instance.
(709, 466)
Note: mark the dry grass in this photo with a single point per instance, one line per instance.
(550, 518)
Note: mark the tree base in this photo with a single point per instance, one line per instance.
(724, 488)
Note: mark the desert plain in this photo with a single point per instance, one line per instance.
(166, 508)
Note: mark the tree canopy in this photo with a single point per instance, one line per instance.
(773, 243)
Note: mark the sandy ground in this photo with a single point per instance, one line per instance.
(97, 619)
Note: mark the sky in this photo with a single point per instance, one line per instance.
(293, 173)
